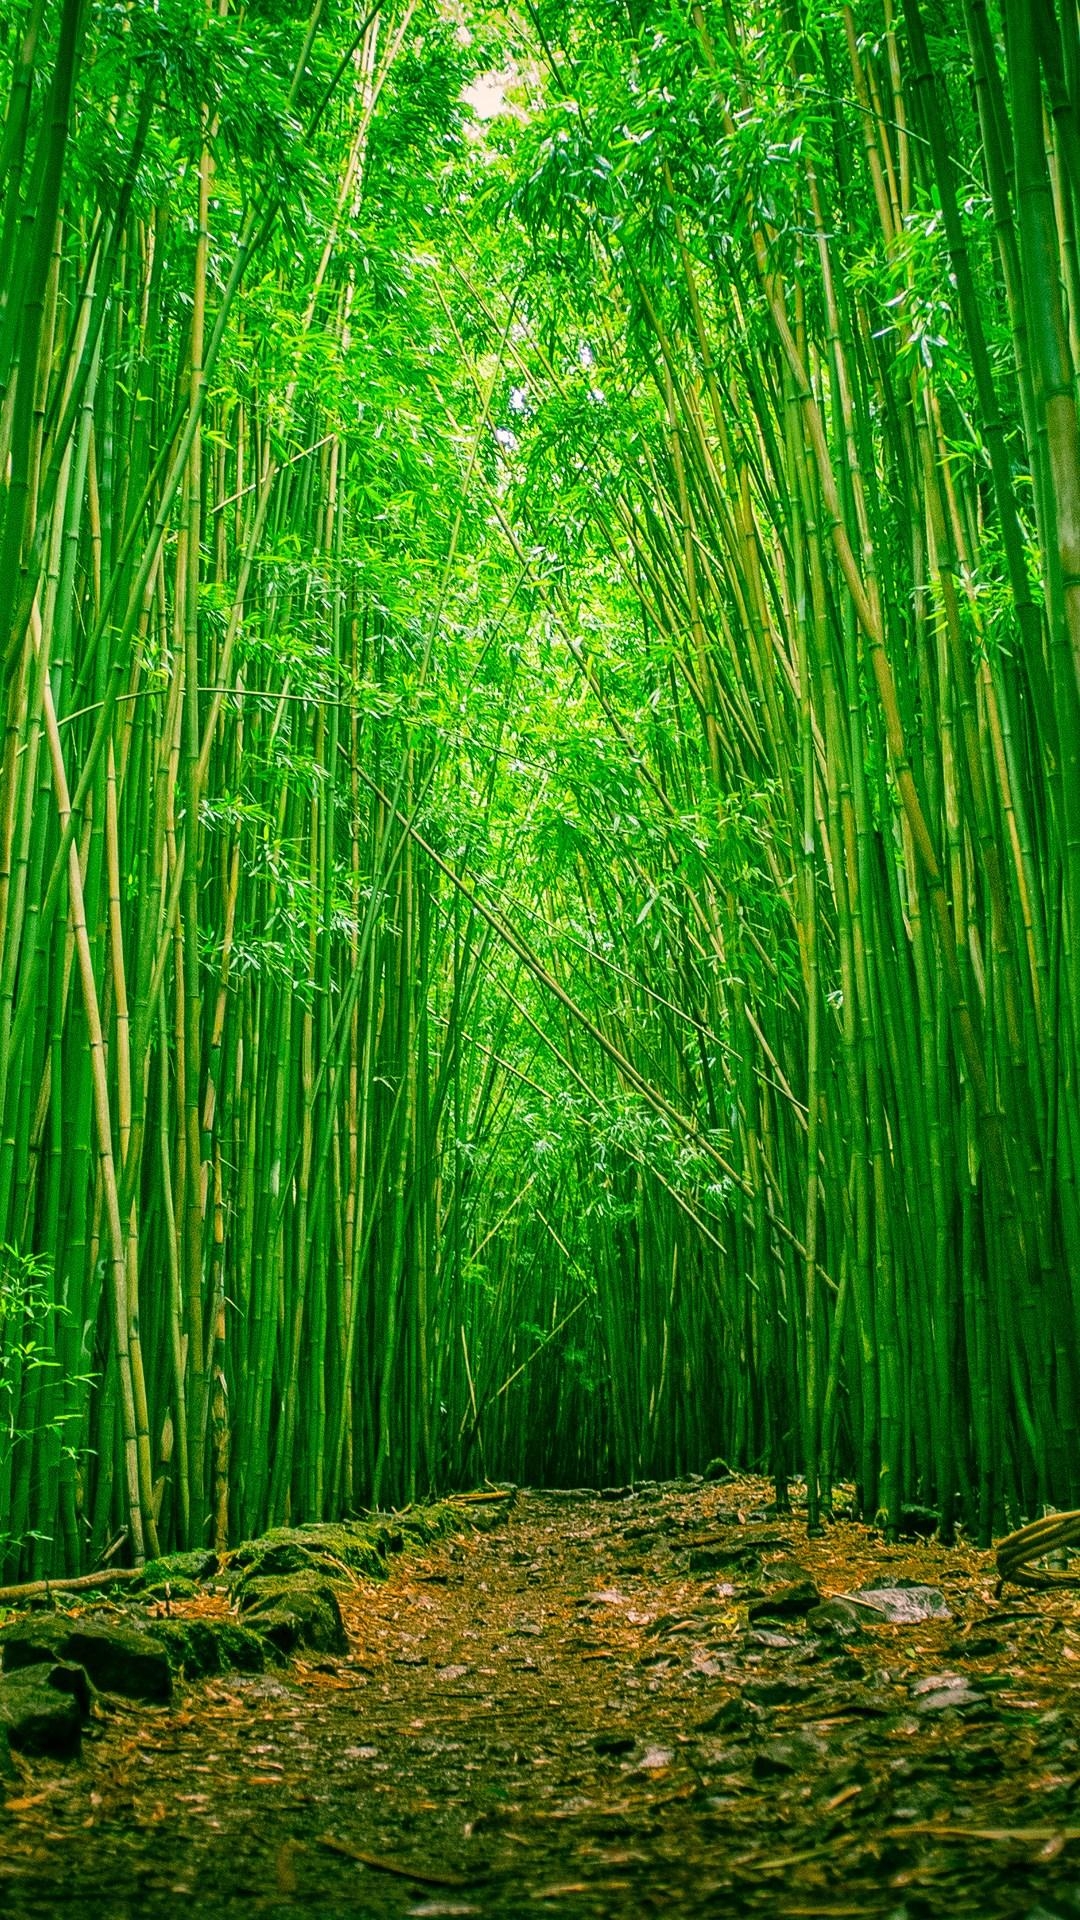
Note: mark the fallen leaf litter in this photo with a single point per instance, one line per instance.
(562, 1716)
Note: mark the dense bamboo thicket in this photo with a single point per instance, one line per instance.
(854, 545)
(540, 794)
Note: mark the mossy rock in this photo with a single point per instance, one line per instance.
(43, 1707)
(259, 1590)
(121, 1660)
(348, 1540)
(169, 1590)
(198, 1649)
(190, 1647)
(117, 1657)
(387, 1540)
(791, 1601)
(34, 1639)
(284, 1557)
(836, 1618)
(172, 1569)
(241, 1650)
(298, 1610)
(333, 1549)
(419, 1526)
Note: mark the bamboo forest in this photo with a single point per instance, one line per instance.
(540, 878)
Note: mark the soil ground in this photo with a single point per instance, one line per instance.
(558, 1717)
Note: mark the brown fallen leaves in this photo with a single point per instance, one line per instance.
(570, 1728)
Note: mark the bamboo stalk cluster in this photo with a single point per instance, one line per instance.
(853, 541)
(216, 1074)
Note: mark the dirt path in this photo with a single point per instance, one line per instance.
(560, 1717)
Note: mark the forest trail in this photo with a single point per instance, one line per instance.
(561, 1717)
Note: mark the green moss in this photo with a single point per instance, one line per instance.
(334, 1549)
(362, 1546)
(168, 1590)
(200, 1648)
(174, 1568)
(297, 1610)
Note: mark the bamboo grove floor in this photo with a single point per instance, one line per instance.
(559, 1718)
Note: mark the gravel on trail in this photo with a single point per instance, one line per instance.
(612, 1705)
